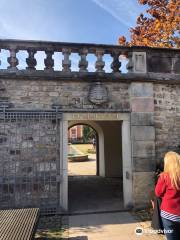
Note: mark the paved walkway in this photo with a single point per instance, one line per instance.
(87, 168)
(109, 226)
(94, 194)
(83, 168)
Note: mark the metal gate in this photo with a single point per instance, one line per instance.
(30, 160)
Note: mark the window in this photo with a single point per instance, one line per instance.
(73, 133)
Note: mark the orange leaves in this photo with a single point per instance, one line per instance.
(122, 40)
(157, 25)
(145, 40)
(160, 29)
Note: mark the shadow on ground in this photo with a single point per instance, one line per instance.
(89, 194)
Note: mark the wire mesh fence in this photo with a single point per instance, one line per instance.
(30, 160)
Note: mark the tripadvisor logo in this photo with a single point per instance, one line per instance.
(139, 231)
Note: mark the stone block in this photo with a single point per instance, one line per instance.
(53, 94)
(176, 65)
(142, 119)
(143, 183)
(142, 104)
(142, 90)
(144, 164)
(142, 133)
(139, 62)
(159, 63)
(143, 149)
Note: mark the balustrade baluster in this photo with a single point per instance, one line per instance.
(83, 63)
(66, 62)
(116, 64)
(49, 61)
(99, 63)
(31, 61)
(12, 60)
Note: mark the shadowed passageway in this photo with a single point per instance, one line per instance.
(94, 194)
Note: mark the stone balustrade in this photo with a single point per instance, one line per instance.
(139, 60)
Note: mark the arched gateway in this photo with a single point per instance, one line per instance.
(136, 115)
(113, 131)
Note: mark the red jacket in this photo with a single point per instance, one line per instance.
(170, 196)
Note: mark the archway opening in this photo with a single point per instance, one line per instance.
(83, 150)
(101, 187)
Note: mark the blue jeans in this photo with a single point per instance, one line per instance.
(172, 228)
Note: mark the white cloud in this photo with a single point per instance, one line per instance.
(125, 11)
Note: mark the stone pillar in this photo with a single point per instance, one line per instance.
(116, 64)
(127, 165)
(12, 60)
(66, 62)
(63, 198)
(99, 65)
(83, 63)
(143, 142)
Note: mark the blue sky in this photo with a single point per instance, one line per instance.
(88, 21)
(92, 21)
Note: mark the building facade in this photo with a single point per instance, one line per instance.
(75, 134)
(136, 115)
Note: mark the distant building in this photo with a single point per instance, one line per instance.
(75, 133)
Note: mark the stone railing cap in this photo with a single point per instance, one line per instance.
(6, 43)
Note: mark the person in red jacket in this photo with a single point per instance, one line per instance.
(168, 188)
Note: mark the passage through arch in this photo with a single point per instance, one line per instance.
(99, 137)
(83, 150)
(104, 189)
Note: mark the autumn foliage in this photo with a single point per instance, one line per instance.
(159, 27)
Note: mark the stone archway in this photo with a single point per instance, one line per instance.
(93, 119)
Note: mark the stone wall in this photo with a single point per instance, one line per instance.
(143, 141)
(112, 147)
(27, 94)
(29, 156)
(166, 118)
(154, 108)
(148, 89)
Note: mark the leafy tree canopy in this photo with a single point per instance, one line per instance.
(159, 27)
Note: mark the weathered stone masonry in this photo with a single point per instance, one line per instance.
(30, 94)
(167, 118)
(149, 92)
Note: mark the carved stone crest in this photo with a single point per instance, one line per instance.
(98, 93)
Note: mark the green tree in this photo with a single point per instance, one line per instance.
(88, 133)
